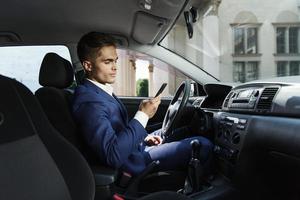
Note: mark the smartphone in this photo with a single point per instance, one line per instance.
(161, 89)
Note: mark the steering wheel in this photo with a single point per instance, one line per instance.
(175, 107)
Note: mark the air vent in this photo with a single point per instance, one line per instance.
(266, 98)
(227, 100)
(197, 103)
(236, 138)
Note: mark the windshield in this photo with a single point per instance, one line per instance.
(240, 40)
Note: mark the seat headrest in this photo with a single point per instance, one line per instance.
(56, 72)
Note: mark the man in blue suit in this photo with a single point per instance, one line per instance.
(120, 142)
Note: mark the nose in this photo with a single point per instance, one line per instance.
(114, 66)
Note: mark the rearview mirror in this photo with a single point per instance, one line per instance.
(188, 22)
(190, 18)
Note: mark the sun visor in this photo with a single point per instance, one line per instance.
(147, 27)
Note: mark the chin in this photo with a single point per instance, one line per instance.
(111, 81)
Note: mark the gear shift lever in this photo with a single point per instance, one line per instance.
(196, 146)
(195, 170)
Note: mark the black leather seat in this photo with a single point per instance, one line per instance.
(36, 162)
(56, 75)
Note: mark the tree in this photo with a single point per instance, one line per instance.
(142, 88)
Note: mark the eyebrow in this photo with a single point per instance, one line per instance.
(110, 59)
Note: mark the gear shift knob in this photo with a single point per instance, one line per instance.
(196, 146)
(195, 171)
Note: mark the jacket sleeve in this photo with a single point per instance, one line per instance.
(112, 148)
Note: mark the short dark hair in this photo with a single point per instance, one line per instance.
(90, 44)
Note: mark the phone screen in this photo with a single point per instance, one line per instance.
(161, 89)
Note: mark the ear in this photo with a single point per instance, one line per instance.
(87, 65)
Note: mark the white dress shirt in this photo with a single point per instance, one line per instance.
(139, 116)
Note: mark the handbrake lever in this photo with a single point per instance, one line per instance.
(132, 189)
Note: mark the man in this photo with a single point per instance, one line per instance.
(119, 142)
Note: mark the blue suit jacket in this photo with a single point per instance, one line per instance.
(104, 123)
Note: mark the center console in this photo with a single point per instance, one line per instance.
(230, 133)
(232, 123)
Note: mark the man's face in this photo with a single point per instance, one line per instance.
(103, 69)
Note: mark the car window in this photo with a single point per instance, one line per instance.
(142, 75)
(23, 62)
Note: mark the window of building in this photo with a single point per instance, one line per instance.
(281, 68)
(23, 62)
(239, 41)
(294, 68)
(245, 40)
(294, 39)
(239, 72)
(288, 40)
(251, 45)
(252, 71)
(245, 71)
(288, 68)
(280, 38)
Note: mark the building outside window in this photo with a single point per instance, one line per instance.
(288, 39)
(288, 49)
(280, 39)
(288, 68)
(294, 68)
(239, 72)
(252, 71)
(245, 40)
(245, 71)
(294, 39)
(281, 68)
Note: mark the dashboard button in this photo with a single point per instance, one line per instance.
(242, 121)
(241, 127)
(229, 124)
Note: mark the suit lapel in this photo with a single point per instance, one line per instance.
(122, 107)
(109, 98)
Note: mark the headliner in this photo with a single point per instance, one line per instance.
(65, 21)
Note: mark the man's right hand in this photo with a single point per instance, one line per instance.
(149, 107)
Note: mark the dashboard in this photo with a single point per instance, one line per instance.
(264, 98)
(257, 145)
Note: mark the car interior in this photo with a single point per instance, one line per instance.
(252, 125)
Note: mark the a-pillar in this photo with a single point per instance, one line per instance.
(150, 85)
(210, 43)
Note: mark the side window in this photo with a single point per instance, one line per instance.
(23, 62)
(142, 75)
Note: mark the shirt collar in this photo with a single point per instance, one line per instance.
(106, 87)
